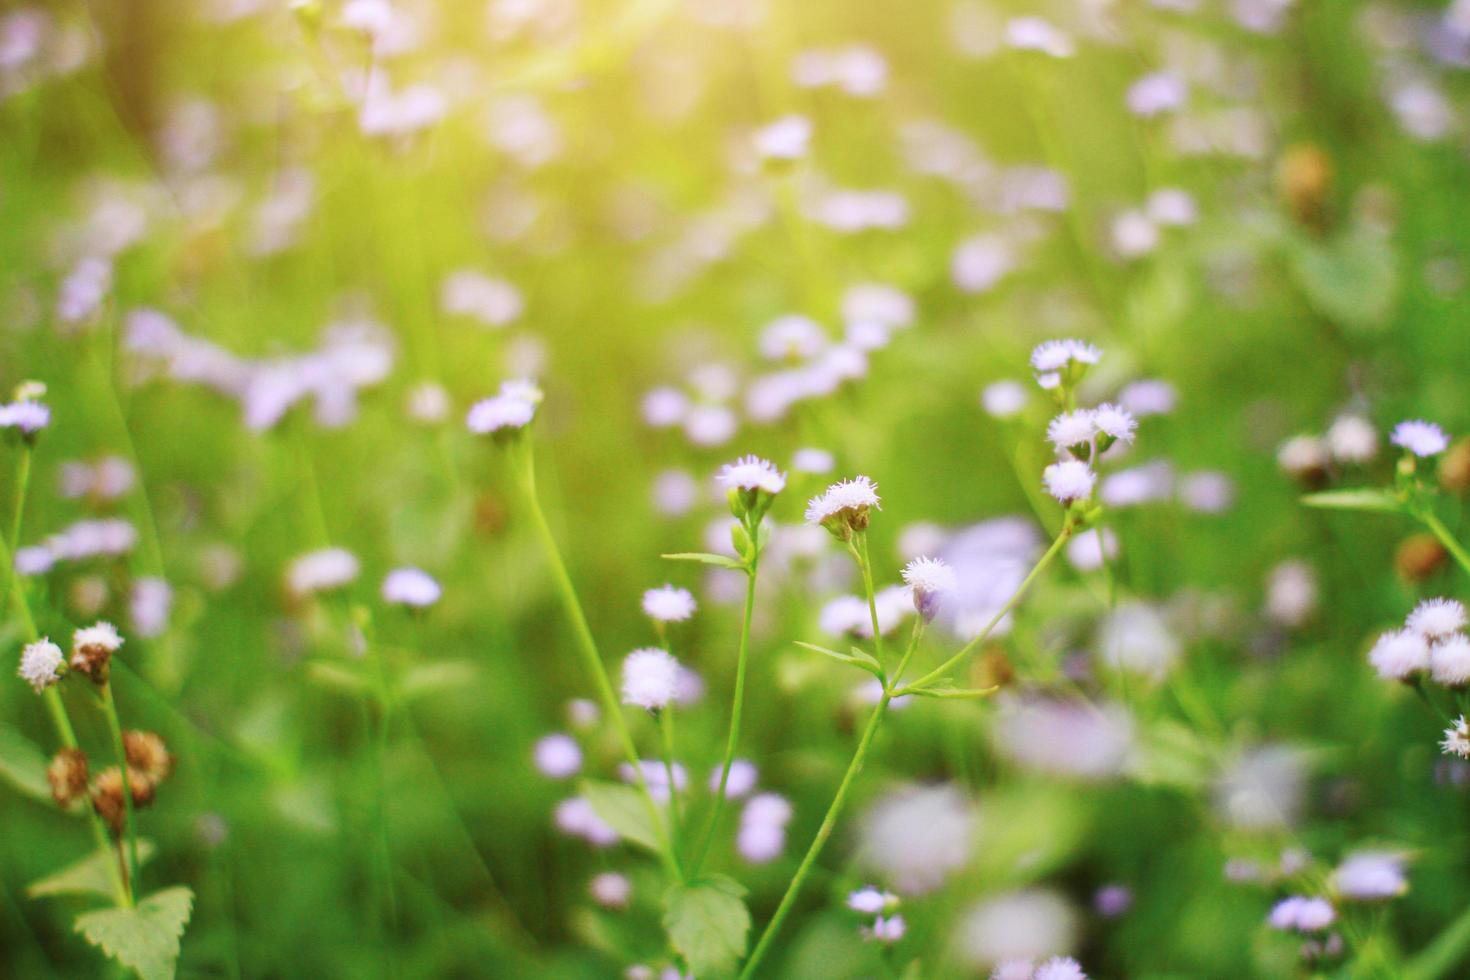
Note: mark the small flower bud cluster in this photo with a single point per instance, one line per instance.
(1060, 365)
(1351, 440)
(506, 414)
(149, 764)
(930, 580)
(1432, 642)
(888, 926)
(92, 648)
(843, 508)
(752, 484)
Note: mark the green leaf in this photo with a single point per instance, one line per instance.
(430, 678)
(625, 810)
(23, 764)
(958, 693)
(1352, 279)
(340, 675)
(857, 658)
(707, 923)
(92, 875)
(1361, 498)
(144, 937)
(707, 559)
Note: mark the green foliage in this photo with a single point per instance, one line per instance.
(625, 810)
(144, 938)
(707, 922)
(23, 765)
(95, 874)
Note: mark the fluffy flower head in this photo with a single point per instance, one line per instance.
(668, 604)
(1420, 438)
(843, 507)
(650, 678)
(1069, 480)
(1436, 619)
(40, 664)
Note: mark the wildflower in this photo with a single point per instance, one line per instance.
(558, 756)
(1057, 357)
(1352, 439)
(1065, 737)
(665, 407)
(1370, 876)
(1420, 438)
(610, 890)
(1155, 94)
(92, 648)
(1457, 739)
(1300, 914)
(1059, 968)
(919, 862)
(321, 571)
(1035, 34)
(888, 930)
(1072, 431)
(1303, 458)
(1019, 925)
(149, 606)
(668, 604)
(1069, 481)
(811, 460)
(785, 139)
(411, 587)
(41, 664)
(1207, 491)
(107, 794)
(752, 484)
(1148, 397)
(1436, 619)
(1090, 550)
(1449, 661)
(1003, 399)
(741, 781)
(500, 415)
(650, 676)
(582, 713)
(67, 775)
(843, 507)
(930, 580)
(1291, 593)
(1400, 654)
(871, 901)
(1111, 901)
(576, 817)
(762, 834)
(26, 417)
(146, 753)
(1114, 424)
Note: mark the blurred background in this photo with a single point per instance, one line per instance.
(264, 255)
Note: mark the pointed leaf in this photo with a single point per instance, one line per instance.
(706, 558)
(23, 764)
(92, 875)
(440, 675)
(959, 693)
(339, 675)
(625, 810)
(857, 658)
(144, 937)
(707, 923)
(1363, 498)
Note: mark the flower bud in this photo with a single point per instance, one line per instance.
(67, 775)
(1419, 557)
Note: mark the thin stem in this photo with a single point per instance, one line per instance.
(736, 708)
(666, 728)
(1432, 521)
(823, 832)
(109, 708)
(12, 540)
(57, 709)
(867, 569)
(385, 850)
(587, 646)
(1056, 546)
(918, 631)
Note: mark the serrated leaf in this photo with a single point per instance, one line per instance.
(857, 658)
(92, 875)
(23, 764)
(706, 559)
(145, 937)
(1361, 498)
(429, 678)
(625, 810)
(707, 923)
(958, 693)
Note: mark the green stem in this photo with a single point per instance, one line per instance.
(918, 631)
(587, 646)
(866, 567)
(1067, 531)
(1446, 950)
(736, 709)
(12, 540)
(385, 850)
(1432, 521)
(666, 728)
(109, 708)
(823, 832)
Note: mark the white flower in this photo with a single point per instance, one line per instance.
(1352, 439)
(1059, 968)
(321, 571)
(668, 604)
(1371, 875)
(576, 817)
(1420, 438)
(919, 860)
(751, 473)
(1065, 737)
(1263, 788)
(1113, 421)
(741, 781)
(1399, 654)
(868, 901)
(558, 756)
(1071, 429)
(650, 676)
(1053, 355)
(491, 415)
(846, 499)
(1301, 454)
(27, 416)
(1457, 739)
(1291, 593)
(1301, 914)
(149, 605)
(931, 580)
(411, 587)
(101, 635)
(40, 664)
(784, 139)
(1449, 661)
(888, 930)
(1148, 397)
(1021, 925)
(1069, 480)
(1435, 619)
(1003, 399)
(1092, 549)
(1035, 34)
(762, 835)
(1156, 93)
(610, 890)
(811, 460)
